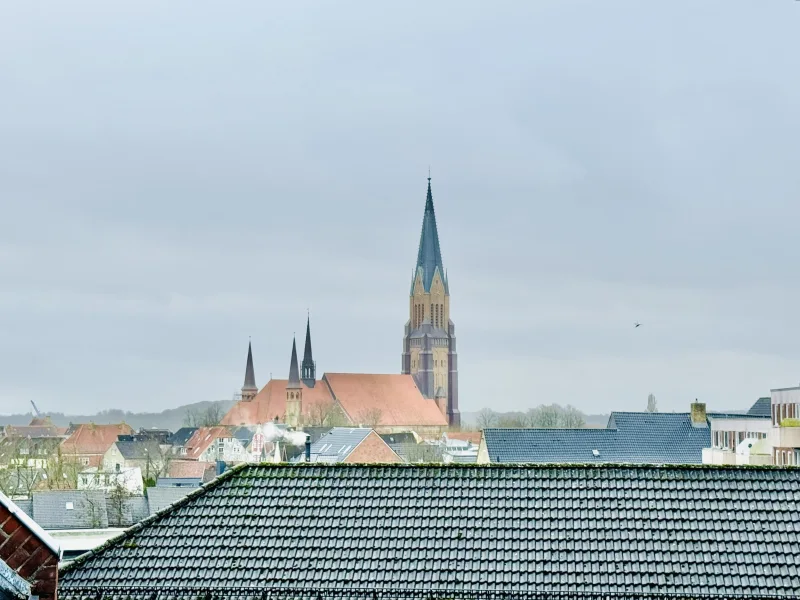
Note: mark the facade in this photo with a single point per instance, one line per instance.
(211, 444)
(461, 532)
(129, 479)
(784, 435)
(429, 343)
(148, 456)
(733, 437)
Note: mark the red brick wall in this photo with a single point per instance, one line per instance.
(28, 556)
(373, 450)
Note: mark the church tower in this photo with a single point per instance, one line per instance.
(429, 344)
(294, 391)
(249, 389)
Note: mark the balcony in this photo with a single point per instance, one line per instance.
(785, 437)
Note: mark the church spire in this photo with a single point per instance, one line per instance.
(249, 389)
(294, 372)
(308, 367)
(429, 256)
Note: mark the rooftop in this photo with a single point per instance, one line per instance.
(461, 531)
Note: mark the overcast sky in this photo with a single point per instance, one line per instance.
(178, 176)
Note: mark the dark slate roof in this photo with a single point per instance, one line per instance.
(418, 453)
(139, 450)
(249, 371)
(404, 437)
(184, 482)
(308, 358)
(429, 255)
(12, 586)
(460, 530)
(294, 371)
(180, 437)
(631, 437)
(159, 498)
(70, 509)
(338, 443)
(762, 408)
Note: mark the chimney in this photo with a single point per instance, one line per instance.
(308, 448)
(699, 414)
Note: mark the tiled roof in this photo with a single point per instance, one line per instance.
(761, 408)
(189, 468)
(12, 586)
(337, 444)
(203, 438)
(473, 437)
(631, 437)
(270, 402)
(429, 255)
(395, 399)
(160, 498)
(418, 453)
(139, 450)
(403, 437)
(613, 530)
(70, 509)
(180, 437)
(89, 438)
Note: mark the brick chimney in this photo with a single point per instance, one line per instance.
(699, 414)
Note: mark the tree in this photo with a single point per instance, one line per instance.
(487, 418)
(572, 418)
(62, 471)
(370, 417)
(117, 501)
(548, 417)
(324, 414)
(208, 417)
(651, 404)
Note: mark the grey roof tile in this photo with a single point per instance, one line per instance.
(70, 509)
(761, 408)
(160, 498)
(338, 443)
(617, 530)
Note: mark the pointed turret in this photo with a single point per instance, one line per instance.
(249, 389)
(294, 392)
(429, 256)
(308, 367)
(294, 371)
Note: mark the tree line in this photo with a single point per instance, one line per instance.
(546, 416)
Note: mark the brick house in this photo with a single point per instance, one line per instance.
(352, 445)
(29, 555)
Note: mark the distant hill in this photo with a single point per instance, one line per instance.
(469, 419)
(171, 419)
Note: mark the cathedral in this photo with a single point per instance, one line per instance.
(423, 397)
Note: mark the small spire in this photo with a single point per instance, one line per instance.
(249, 371)
(308, 367)
(294, 371)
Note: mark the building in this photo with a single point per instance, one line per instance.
(211, 444)
(784, 435)
(28, 556)
(491, 531)
(738, 439)
(424, 397)
(352, 445)
(148, 456)
(88, 443)
(629, 437)
(386, 403)
(429, 343)
(129, 479)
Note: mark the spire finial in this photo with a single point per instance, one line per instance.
(429, 173)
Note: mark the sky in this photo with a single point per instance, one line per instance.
(176, 178)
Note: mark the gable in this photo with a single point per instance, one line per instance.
(373, 450)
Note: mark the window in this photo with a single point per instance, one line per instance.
(85, 461)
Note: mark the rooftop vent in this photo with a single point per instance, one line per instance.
(596, 452)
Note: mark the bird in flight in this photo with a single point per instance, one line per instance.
(637, 324)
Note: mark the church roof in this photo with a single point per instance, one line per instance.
(429, 256)
(308, 359)
(270, 402)
(249, 372)
(384, 400)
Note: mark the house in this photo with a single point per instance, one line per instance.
(456, 531)
(210, 444)
(734, 436)
(629, 437)
(148, 456)
(28, 556)
(352, 445)
(88, 443)
(784, 434)
(129, 479)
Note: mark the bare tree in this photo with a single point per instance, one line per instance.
(651, 404)
(117, 501)
(62, 470)
(572, 418)
(370, 417)
(487, 418)
(548, 417)
(209, 417)
(324, 414)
